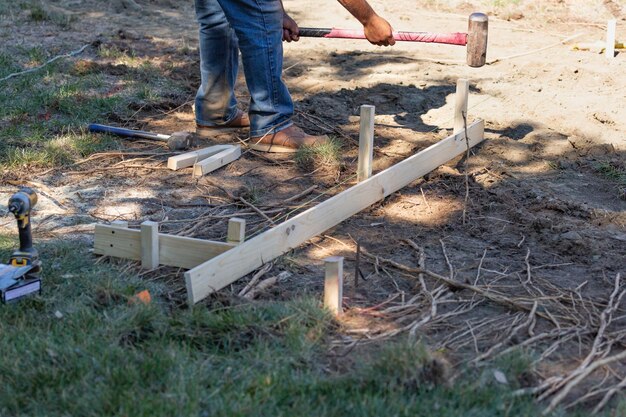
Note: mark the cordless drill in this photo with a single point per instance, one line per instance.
(21, 204)
(21, 276)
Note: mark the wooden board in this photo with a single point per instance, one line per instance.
(210, 164)
(117, 241)
(224, 269)
(178, 251)
(187, 252)
(187, 159)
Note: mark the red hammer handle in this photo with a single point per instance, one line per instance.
(475, 38)
(445, 38)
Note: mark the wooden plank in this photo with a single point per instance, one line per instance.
(610, 39)
(217, 161)
(187, 252)
(120, 223)
(236, 231)
(188, 159)
(333, 284)
(117, 242)
(149, 245)
(232, 265)
(366, 143)
(460, 104)
(177, 251)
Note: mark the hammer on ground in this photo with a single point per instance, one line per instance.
(175, 141)
(475, 39)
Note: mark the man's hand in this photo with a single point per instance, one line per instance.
(291, 31)
(378, 31)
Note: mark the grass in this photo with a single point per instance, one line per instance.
(614, 173)
(326, 155)
(43, 114)
(106, 357)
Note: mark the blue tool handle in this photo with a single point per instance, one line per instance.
(128, 133)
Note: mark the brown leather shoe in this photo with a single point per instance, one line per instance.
(240, 121)
(287, 140)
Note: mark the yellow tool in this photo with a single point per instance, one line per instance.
(21, 277)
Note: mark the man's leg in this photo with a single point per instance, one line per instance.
(258, 26)
(215, 101)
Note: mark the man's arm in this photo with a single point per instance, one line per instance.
(377, 30)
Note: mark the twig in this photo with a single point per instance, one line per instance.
(466, 167)
(564, 41)
(253, 207)
(265, 284)
(565, 391)
(302, 194)
(256, 278)
(48, 62)
(607, 397)
(445, 254)
(496, 298)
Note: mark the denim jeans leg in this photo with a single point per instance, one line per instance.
(258, 26)
(215, 100)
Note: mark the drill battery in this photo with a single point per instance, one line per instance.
(18, 282)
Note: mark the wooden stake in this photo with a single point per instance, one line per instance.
(333, 284)
(149, 245)
(366, 143)
(610, 39)
(213, 162)
(186, 160)
(460, 105)
(236, 231)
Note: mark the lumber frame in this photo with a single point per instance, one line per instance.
(228, 267)
(179, 251)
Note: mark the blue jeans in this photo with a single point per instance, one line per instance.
(253, 27)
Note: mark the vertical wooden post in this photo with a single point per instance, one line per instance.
(236, 231)
(120, 224)
(366, 143)
(460, 104)
(149, 245)
(610, 39)
(333, 284)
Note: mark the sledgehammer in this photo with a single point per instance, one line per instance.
(475, 39)
(175, 141)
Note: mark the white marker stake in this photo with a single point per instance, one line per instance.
(149, 245)
(610, 39)
(333, 284)
(460, 104)
(366, 143)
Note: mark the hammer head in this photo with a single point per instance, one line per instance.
(180, 141)
(477, 40)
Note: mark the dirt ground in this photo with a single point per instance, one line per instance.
(546, 217)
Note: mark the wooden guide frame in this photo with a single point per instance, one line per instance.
(214, 265)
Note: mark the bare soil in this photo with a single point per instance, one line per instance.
(544, 203)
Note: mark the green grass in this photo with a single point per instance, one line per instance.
(37, 110)
(104, 357)
(614, 173)
(326, 155)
